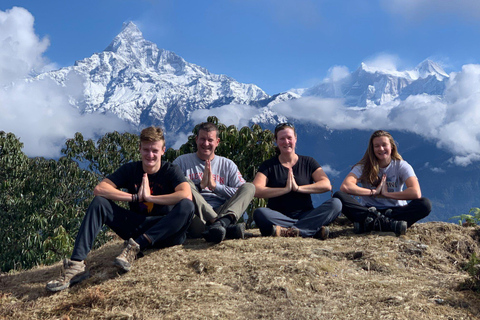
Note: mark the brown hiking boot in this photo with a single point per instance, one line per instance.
(72, 272)
(125, 259)
(323, 233)
(286, 232)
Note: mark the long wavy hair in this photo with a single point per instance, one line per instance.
(370, 161)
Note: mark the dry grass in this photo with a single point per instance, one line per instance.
(373, 276)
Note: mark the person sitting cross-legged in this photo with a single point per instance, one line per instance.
(161, 210)
(219, 191)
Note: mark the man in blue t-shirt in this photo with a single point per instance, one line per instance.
(161, 210)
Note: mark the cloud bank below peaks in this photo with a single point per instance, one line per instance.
(451, 121)
(38, 112)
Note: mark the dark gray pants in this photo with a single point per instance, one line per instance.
(163, 231)
(308, 222)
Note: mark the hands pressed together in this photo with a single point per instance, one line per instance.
(381, 189)
(291, 183)
(207, 179)
(144, 192)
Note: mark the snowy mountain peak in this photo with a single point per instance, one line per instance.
(130, 36)
(428, 68)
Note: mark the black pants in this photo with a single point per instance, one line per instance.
(412, 212)
(163, 231)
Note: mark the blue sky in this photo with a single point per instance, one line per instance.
(275, 44)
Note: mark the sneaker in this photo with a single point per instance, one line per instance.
(235, 231)
(286, 232)
(215, 234)
(125, 259)
(72, 272)
(323, 233)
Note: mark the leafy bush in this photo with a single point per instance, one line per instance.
(42, 203)
(471, 219)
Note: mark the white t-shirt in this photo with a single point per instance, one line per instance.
(398, 171)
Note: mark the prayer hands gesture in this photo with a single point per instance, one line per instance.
(381, 189)
(207, 179)
(144, 191)
(291, 183)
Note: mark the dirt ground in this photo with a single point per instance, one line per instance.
(349, 276)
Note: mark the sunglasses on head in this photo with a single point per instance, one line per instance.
(284, 124)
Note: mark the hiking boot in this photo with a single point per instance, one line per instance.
(125, 259)
(323, 233)
(286, 232)
(216, 233)
(72, 272)
(363, 227)
(236, 231)
(386, 224)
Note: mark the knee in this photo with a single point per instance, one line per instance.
(339, 195)
(99, 204)
(258, 215)
(336, 204)
(425, 205)
(186, 206)
(249, 188)
(99, 201)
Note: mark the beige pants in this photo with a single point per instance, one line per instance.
(204, 212)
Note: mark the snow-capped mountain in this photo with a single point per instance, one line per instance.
(369, 86)
(145, 85)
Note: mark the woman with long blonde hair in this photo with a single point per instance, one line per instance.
(378, 181)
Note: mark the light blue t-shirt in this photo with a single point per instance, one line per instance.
(398, 171)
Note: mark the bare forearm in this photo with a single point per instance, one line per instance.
(356, 190)
(267, 192)
(107, 191)
(318, 187)
(168, 199)
(407, 194)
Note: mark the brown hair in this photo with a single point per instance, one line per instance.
(370, 161)
(152, 134)
(208, 127)
(280, 127)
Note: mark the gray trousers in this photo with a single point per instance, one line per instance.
(204, 212)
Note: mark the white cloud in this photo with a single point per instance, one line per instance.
(383, 61)
(420, 9)
(453, 122)
(38, 112)
(179, 139)
(330, 171)
(337, 73)
(238, 115)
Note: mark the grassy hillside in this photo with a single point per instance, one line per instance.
(372, 276)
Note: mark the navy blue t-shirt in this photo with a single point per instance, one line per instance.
(293, 202)
(164, 181)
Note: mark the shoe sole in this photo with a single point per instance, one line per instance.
(122, 265)
(76, 279)
(217, 235)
